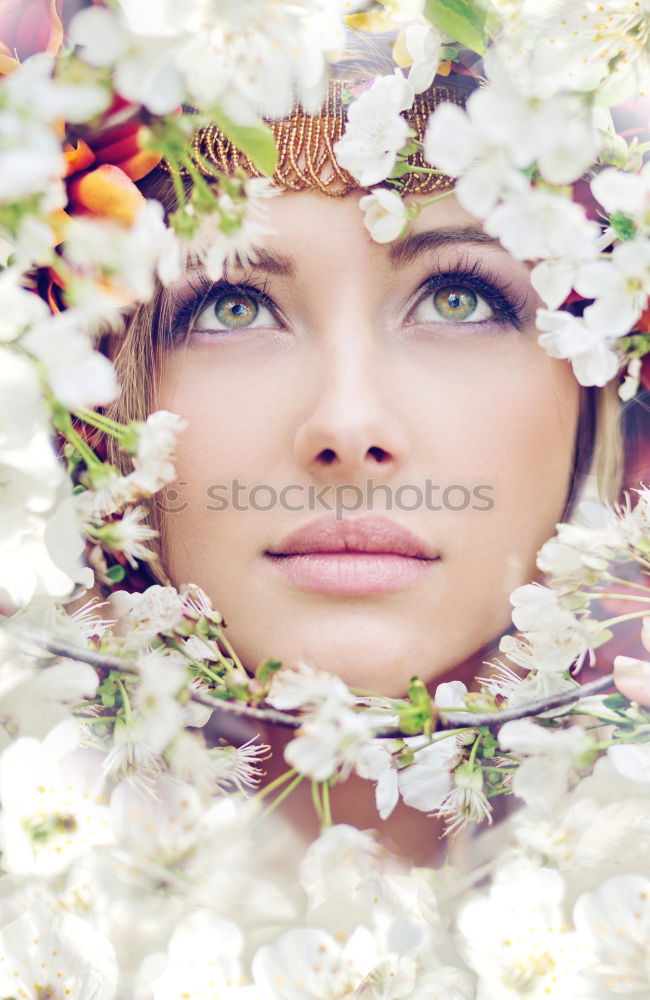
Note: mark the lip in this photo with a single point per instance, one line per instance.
(370, 555)
(360, 534)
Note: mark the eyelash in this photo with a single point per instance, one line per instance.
(206, 293)
(507, 307)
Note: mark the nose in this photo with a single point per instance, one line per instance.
(352, 426)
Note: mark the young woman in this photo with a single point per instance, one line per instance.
(377, 445)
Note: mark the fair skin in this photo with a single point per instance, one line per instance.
(351, 374)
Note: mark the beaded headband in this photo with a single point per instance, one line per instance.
(305, 144)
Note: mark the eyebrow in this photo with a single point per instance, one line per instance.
(404, 251)
(401, 253)
(280, 264)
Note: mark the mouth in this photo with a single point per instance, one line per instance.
(365, 555)
(352, 571)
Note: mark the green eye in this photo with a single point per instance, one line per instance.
(455, 303)
(236, 310)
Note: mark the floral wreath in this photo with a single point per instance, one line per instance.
(131, 861)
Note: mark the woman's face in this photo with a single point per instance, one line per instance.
(340, 381)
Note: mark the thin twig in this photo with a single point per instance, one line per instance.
(530, 708)
(450, 720)
(106, 662)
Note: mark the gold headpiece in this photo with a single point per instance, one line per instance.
(305, 143)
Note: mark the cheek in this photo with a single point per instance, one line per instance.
(510, 412)
(515, 434)
(233, 416)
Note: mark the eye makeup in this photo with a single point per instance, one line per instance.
(200, 293)
(471, 285)
(507, 306)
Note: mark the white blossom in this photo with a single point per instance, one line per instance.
(239, 766)
(156, 439)
(515, 938)
(127, 535)
(587, 341)
(591, 46)
(632, 760)
(33, 89)
(124, 260)
(19, 308)
(31, 102)
(143, 66)
(60, 957)
(143, 616)
(340, 863)
(223, 55)
(308, 962)
(329, 738)
(463, 144)
(423, 43)
(233, 233)
(450, 695)
(466, 800)
(203, 957)
(582, 549)
(78, 375)
(375, 130)
(553, 758)
(539, 223)
(425, 783)
(52, 811)
(620, 284)
(300, 684)
(614, 922)
(538, 609)
(622, 191)
(162, 676)
(152, 444)
(131, 758)
(253, 58)
(376, 761)
(33, 700)
(385, 215)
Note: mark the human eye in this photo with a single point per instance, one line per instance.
(466, 295)
(223, 307)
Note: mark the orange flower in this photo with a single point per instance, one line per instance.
(105, 191)
(101, 169)
(29, 26)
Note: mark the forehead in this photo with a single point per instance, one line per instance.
(308, 229)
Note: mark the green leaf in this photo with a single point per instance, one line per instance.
(463, 20)
(400, 169)
(265, 669)
(624, 227)
(107, 690)
(489, 743)
(116, 573)
(615, 701)
(255, 141)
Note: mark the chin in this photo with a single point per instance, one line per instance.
(376, 663)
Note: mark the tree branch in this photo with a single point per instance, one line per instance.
(103, 661)
(531, 708)
(451, 719)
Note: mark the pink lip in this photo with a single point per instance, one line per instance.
(367, 555)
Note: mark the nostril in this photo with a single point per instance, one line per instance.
(379, 454)
(328, 456)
